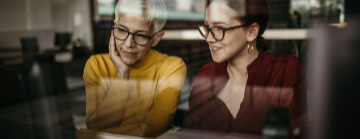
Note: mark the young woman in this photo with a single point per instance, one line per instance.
(133, 90)
(233, 93)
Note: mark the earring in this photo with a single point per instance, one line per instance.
(252, 48)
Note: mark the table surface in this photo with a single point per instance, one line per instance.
(45, 53)
(196, 134)
(172, 134)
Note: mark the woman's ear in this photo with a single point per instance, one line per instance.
(252, 32)
(114, 21)
(157, 38)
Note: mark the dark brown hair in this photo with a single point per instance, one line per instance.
(256, 11)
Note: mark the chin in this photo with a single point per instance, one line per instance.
(219, 57)
(218, 60)
(130, 63)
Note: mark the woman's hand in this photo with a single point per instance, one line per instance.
(123, 70)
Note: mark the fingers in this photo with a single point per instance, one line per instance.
(111, 46)
(110, 42)
(114, 54)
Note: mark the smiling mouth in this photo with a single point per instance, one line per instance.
(215, 49)
(129, 53)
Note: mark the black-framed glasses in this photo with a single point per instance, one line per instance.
(139, 37)
(216, 31)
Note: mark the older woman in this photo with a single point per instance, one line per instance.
(134, 90)
(233, 93)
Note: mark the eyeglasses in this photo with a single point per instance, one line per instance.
(217, 32)
(138, 37)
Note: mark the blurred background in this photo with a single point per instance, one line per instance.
(44, 45)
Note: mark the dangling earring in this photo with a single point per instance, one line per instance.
(252, 48)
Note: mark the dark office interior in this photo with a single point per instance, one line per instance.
(44, 45)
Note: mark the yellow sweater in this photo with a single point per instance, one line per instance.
(143, 106)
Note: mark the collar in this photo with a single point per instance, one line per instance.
(221, 76)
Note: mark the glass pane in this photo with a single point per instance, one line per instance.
(106, 7)
(190, 10)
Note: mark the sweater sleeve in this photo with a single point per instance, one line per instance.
(103, 94)
(171, 79)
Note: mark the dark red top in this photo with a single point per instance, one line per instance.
(270, 78)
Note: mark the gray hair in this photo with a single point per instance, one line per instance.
(154, 10)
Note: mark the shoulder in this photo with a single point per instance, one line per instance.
(165, 60)
(288, 66)
(166, 65)
(99, 63)
(213, 68)
(174, 60)
(210, 76)
(289, 62)
(209, 73)
(97, 60)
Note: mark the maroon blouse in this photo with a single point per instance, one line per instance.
(272, 80)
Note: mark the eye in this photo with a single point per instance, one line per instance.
(218, 27)
(143, 36)
(122, 30)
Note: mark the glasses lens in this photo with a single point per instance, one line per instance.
(203, 31)
(217, 32)
(141, 39)
(120, 33)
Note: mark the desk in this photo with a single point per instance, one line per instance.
(199, 134)
(171, 134)
(17, 53)
(43, 72)
(104, 135)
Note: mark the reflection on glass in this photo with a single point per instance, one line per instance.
(189, 10)
(105, 7)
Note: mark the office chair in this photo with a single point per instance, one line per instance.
(29, 44)
(30, 69)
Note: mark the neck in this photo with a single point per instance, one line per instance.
(237, 66)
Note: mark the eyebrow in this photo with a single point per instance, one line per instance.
(216, 23)
(219, 23)
(135, 31)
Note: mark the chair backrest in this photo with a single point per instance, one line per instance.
(62, 40)
(29, 44)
